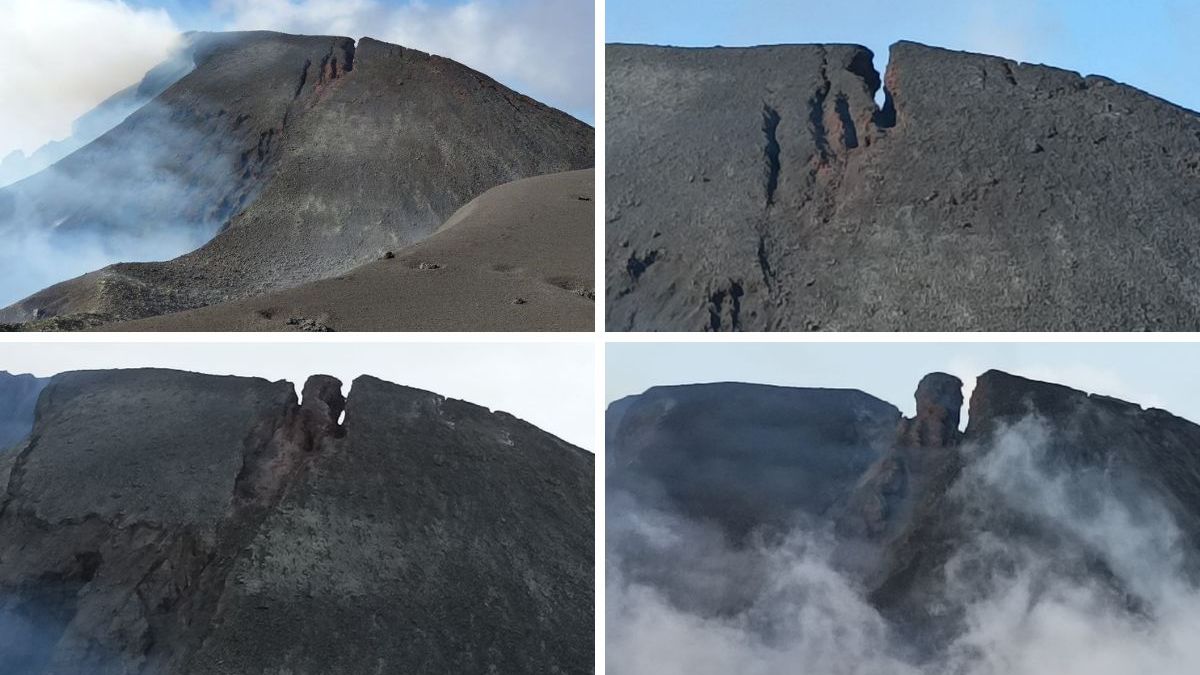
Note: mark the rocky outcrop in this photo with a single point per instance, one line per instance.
(921, 461)
(306, 156)
(763, 189)
(160, 521)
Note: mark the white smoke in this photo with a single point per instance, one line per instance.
(1029, 607)
(135, 201)
(63, 57)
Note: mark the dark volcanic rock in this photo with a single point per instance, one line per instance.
(762, 189)
(1153, 449)
(160, 521)
(18, 397)
(309, 154)
(700, 448)
(920, 463)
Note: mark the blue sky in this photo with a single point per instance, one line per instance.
(1150, 44)
(1160, 375)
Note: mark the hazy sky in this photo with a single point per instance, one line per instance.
(1151, 44)
(549, 385)
(62, 57)
(1159, 375)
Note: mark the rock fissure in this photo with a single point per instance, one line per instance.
(770, 118)
(303, 78)
(816, 113)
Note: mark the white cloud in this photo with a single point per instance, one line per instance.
(63, 57)
(543, 48)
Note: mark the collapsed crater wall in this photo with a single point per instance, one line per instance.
(159, 521)
(763, 189)
(921, 524)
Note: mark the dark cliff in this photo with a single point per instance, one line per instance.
(764, 189)
(160, 521)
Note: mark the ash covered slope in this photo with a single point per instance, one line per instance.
(762, 189)
(161, 521)
(1076, 496)
(323, 155)
(519, 257)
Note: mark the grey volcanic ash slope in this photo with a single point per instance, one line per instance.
(764, 530)
(519, 257)
(306, 156)
(158, 521)
(763, 189)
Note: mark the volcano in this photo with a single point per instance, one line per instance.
(278, 162)
(820, 530)
(765, 189)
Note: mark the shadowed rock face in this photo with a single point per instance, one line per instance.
(18, 396)
(160, 521)
(763, 189)
(925, 522)
(309, 155)
(699, 448)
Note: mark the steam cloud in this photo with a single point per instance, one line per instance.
(62, 57)
(125, 201)
(1026, 605)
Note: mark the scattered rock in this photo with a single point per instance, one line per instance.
(309, 325)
